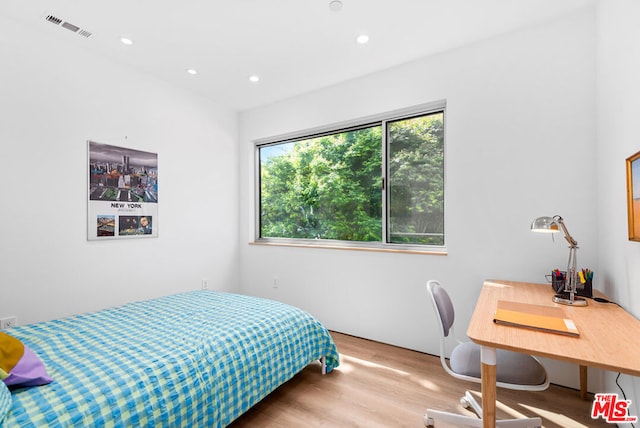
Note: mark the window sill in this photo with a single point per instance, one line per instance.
(332, 246)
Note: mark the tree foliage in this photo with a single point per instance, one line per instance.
(416, 177)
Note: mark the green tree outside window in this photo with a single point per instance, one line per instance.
(330, 187)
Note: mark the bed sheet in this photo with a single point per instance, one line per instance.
(199, 358)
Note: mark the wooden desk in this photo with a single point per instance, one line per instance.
(609, 336)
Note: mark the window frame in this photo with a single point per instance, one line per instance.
(363, 122)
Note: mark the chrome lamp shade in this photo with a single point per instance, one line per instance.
(544, 224)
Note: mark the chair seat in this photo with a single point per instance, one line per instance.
(511, 367)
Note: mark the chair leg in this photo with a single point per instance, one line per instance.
(469, 421)
(458, 420)
(469, 401)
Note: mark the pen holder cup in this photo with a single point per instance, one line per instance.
(585, 289)
(557, 282)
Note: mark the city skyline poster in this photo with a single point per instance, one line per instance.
(122, 192)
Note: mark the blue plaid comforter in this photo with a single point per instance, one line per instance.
(196, 359)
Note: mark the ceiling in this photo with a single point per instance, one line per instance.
(294, 46)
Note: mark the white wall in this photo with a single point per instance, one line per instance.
(53, 98)
(618, 109)
(520, 144)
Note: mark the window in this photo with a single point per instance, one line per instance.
(415, 172)
(377, 183)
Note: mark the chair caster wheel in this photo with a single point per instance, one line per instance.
(428, 422)
(465, 403)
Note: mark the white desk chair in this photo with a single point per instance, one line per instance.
(513, 370)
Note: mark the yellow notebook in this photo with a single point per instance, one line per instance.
(544, 318)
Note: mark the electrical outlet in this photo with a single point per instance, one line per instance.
(8, 322)
(205, 283)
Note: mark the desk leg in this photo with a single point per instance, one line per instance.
(583, 382)
(488, 358)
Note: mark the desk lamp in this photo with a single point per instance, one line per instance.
(552, 225)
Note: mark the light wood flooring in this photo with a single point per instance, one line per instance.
(379, 385)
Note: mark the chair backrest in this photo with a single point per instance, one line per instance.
(445, 314)
(442, 305)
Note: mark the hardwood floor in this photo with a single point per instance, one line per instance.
(379, 385)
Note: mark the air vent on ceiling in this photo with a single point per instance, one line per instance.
(64, 24)
(53, 19)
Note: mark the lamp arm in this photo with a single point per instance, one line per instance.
(572, 242)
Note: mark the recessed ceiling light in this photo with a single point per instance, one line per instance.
(126, 41)
(254, 78)
(335, 5)
(192, 71)
(362, 39)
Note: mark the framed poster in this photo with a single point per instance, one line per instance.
(123, 192)
(633, 196)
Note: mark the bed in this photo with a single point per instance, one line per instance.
(199, 358)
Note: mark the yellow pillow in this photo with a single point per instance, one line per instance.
(19, 365)
(11, 351)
